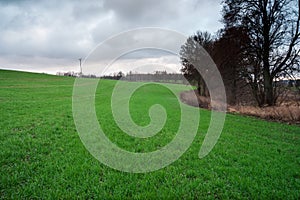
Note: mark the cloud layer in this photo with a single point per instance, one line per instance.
(49, 36)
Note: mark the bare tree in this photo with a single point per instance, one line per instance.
(204, 39)
(227, 54)
(273, 50)
(225, 49)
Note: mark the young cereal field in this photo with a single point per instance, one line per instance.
(42, 156)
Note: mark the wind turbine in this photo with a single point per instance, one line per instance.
(80, 66)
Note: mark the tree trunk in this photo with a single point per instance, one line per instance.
(199, 87)
(268, 89)
(268, 86)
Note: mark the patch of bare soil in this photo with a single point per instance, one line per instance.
(288, 111)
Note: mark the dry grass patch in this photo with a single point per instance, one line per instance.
(288, 111)
(283, 113)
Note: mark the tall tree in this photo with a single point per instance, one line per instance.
(204, 39)
(225, 49)
(273, 50)
(227, 54)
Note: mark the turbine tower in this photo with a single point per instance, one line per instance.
(80, 66)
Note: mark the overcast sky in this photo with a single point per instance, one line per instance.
(50, 35)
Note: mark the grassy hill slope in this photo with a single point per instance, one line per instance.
(41, 154)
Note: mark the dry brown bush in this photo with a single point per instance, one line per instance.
(285, 113)
(288, 111)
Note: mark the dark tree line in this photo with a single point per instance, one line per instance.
(157, 76)
(115, 76)
(258, 45)
(225, 49)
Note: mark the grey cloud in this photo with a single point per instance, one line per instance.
(139, 11)
(70, 29)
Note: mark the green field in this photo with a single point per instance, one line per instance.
(42, 155)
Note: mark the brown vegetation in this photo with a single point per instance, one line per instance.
(288, 111)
